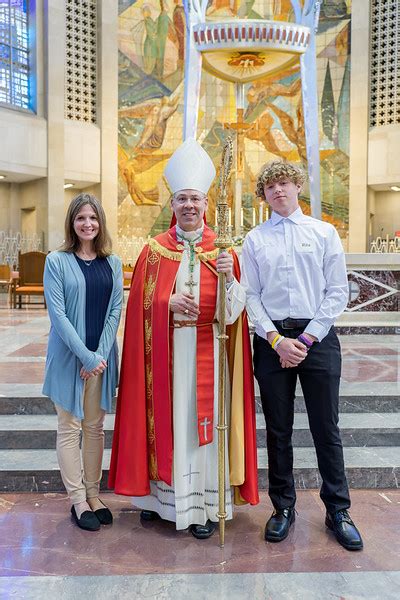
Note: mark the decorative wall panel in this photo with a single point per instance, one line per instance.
(81, 60)
(384, 63)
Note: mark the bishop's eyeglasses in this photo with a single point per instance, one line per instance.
(182, 199)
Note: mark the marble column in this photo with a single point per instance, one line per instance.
(54, 67)
(359, 94)
(107, 120)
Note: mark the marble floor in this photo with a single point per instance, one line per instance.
(44, 555)
(371, 363)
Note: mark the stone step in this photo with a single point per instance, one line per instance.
(357, 429)
(374, 467)
(368, 429)
(38, 432)
(349, 403)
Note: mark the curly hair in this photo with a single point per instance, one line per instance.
(102, 242)
(277, 170)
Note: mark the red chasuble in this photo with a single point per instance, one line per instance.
(143, 436)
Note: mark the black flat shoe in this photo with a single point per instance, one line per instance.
(87, 520)
(104, 515)
(202, 532)
(344, 529)
(278, 525)
(149, 515)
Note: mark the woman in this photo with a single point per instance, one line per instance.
(83, 290)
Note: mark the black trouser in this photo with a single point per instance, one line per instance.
(319, 376)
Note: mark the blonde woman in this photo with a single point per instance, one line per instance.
(83, 290)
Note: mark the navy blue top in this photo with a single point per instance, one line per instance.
(99, 283)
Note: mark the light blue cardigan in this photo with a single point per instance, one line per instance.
(65, 292)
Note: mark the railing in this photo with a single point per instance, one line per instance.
(385, 245)
(11, 243)
(283, 36)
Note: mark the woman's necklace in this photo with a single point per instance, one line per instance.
(88, 262)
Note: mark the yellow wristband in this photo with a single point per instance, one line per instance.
(276, 338)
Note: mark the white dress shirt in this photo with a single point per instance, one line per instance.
(294, 267)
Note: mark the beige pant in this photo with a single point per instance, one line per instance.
(82, 485)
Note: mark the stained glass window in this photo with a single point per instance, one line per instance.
(14, 53)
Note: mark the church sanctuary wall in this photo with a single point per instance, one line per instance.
(69, 132)
(387, 214)
(82, 153)
(32, 208)
(4, 206)
(151, 55)
(23, 147)
(383, 156)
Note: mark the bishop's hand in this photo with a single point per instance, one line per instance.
(224, 264)
(184, 304)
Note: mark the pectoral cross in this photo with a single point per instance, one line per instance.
(191, 283)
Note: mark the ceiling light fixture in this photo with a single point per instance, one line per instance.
(2, 176)
(395, 188)
(68, 185)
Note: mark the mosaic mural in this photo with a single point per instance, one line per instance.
(151, 56)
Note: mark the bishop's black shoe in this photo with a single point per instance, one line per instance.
(202, 532)
(344, 529)
(278, 525)
(149, 515)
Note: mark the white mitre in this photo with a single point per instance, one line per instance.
(190, 168)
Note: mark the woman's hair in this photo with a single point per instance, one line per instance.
(102, 242)
(277, 170)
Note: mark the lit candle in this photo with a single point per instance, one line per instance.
(260, 213)
(229, 217)
(241, 217)
(254, 217)
(266, 213)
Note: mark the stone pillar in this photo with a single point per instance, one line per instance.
(14, 208)
(54, 67)
(359, 90)
(107, 99)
